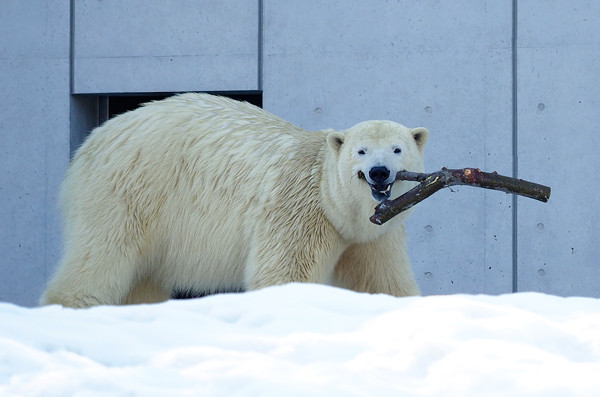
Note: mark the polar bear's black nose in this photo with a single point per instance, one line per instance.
(379, 174)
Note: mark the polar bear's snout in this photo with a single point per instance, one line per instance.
(381, 182)
(379, 175)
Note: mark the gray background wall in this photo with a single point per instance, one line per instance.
(525, 107)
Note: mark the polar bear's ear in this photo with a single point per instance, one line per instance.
(335, 140)
(420, 135)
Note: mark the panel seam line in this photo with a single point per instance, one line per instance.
(515, 159)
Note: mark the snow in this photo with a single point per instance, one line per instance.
(306, 340)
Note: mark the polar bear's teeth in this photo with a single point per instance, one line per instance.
(380, 194)
(386, 190)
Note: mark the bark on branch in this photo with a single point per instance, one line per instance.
(431, 183)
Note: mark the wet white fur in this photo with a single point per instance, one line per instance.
(203, 193)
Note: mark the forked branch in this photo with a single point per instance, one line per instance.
(431, 183)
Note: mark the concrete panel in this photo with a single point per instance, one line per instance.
(166, 74)
(445, 66)
(154, 46)
(34, 156)
(22, 184)
(24, 32)
(34, 143)
(559, 98)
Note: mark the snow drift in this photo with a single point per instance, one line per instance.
(306, 340)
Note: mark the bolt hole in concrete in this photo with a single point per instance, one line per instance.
(428, 275)
(541, 273)
(429, 229)
(540, 226)
(541, 107)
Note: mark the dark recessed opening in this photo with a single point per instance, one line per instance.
(90, 111)
(118, 104)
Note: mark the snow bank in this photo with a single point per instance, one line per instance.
(306, 340)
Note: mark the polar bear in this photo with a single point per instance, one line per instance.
(203, 193)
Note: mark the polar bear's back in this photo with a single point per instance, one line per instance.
(175, 176)
(189, 123)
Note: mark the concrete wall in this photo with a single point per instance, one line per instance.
(442, 65)
(34, 141)
(157, 45)
(558, 142)
(527, 107)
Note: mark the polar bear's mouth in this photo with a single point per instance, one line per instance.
(379, 191)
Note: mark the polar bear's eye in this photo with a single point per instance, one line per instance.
(397, 150)
(361, 151)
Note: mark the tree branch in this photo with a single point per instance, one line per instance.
(431, 183)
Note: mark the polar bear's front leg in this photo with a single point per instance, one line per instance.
(296, 253)
(381, 266)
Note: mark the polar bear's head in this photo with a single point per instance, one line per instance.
(371, 153)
